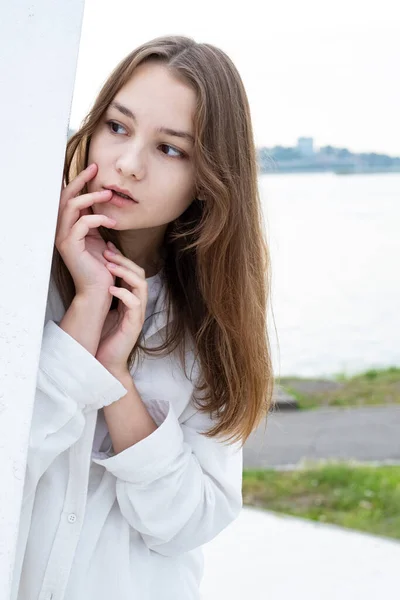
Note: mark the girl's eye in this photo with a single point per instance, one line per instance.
(112, 125)
(177, 154)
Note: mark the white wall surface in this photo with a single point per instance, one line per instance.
(39, 43)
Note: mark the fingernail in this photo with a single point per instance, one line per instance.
(111, 245)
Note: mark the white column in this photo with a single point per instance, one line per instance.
(39, 43)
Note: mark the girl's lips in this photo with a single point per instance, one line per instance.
(121, 202)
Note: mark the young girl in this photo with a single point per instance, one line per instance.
(155, 362)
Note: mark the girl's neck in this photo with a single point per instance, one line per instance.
(144, 248)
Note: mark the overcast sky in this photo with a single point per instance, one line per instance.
(329, 70)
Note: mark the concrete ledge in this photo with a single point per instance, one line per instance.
(283, 400)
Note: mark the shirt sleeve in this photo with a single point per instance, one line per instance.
(70, 382)
(177, 487)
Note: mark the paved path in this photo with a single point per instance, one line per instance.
(364, 434)
(263, 556)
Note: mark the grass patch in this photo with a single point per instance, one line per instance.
(374, 387)
(364, 498)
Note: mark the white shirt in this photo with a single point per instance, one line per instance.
(100, 526)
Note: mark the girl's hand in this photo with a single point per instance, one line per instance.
(123, 325)
(78, 239)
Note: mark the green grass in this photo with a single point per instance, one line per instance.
(364, 498)
(375, 387)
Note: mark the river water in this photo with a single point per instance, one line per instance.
(335, 251)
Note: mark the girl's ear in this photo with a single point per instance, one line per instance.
(199, 196)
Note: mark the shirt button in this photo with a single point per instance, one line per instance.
(72, 518)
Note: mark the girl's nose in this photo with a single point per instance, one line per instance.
(131, 164)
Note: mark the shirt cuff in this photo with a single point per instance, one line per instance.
(148, 459)
(75, 371)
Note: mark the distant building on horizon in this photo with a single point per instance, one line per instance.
(305, 145)
(305, 158)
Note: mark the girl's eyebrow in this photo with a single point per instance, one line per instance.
(128, 113)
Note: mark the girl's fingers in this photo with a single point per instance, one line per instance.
(131, 278)
(77, 184)
(135, 281)
(116, 257)
(80, 230)
(70, 214)
(129, 299)
(86, 200)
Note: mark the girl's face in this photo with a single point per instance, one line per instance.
(144, 145)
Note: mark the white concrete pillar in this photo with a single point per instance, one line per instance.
(39, 43)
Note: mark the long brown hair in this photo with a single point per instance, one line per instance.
(216, 258)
